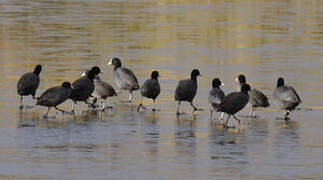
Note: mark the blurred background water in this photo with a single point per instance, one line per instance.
(263, 39)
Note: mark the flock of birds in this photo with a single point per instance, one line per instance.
(90, 85)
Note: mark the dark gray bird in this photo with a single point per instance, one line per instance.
(186, 90)
(216, 95)
(286, 97)
(83, 88)
(256, 97)
(28, 84)
(54, 96)
(102, 89)
(124, 78)
(150, 89)
(235, 102)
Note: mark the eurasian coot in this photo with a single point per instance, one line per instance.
(124, 78)
(150, 89)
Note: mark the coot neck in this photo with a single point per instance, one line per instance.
(242, 83)
(193, 77)
(245, 92)
(279, 84)
(37, 71)
(154, 78)
(116, 67)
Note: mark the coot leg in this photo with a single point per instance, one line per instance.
(154, 108)
(237, 119)
(47, 113)
(130, 97)
(177, 112)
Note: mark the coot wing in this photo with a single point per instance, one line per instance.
(186, 90)
(128, 78)
(216, 95)
(258, 99)
(28, 84)
(234, 102)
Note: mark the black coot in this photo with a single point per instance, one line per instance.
(256, 97)
(216, 95)
(235, 102)
(286, 97)
(83, 88)
(54, 96)
(102, 89)
(186, 90)
(150, 89)
(28, 83)
(124, 78)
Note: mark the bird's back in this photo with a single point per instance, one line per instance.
(286, 97)
(82, 89)
(54, 96)
(258, 99)
(186, 90)
(28, 84)
(150, 88)
(103, 89)
(126, 79)
(234, 102)
(216, 96)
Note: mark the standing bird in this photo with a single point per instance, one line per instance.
(28, 84)
(235, 102)
(286, 97)
(186, 90)
(124, 78)
(83, 88)
(216, 96)
(54, 96)
(256, 97)
(150, 89)
(102, 89)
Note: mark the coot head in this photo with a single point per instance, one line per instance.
(216, 83)
(91, 75)
(37, 69)
(154, 75)
(195, 73)
(115, 62)
(66, 85)
(280, 82)
(96, 70)
(245, 88)
(242, 79)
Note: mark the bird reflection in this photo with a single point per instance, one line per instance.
(185, 141)
(150, 132)
(35, 119)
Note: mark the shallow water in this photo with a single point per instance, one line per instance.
(263, 39)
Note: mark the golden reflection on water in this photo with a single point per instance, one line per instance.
(263, 39)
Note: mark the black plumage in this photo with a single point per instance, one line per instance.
(186, 90)
(54, 96)
(102, 89)
(235, 102)
(124, 78)
(256, 97)
(150, 89)
(28, 83)
(216, 95)
(286, 97)
(82, 88)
